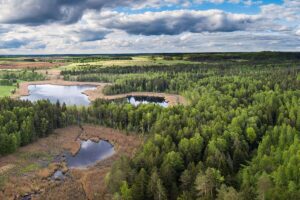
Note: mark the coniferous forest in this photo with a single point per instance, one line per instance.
(237, 138)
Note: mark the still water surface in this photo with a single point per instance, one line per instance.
(137, 100)
(90, 153)
(70, 95)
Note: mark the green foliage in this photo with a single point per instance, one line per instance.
(126, 193)
(207, 183)
(238, 138)
(6, 90)
(29, 168)
(22, 122)
(10, 78)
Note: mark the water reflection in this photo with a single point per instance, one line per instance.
(90, 153)
(70, 95)
(137, 100)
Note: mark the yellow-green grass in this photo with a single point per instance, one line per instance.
(6, 90)
(136, 61)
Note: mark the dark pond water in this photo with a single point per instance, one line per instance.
(137, 100)
(90, 153)
(71, 95)
(27, 197)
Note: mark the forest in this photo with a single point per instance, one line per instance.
(238, 138)
(9, 77)
(22, 122)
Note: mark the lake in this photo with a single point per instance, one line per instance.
(70, 95)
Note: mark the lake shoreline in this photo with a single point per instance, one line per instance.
(172, 99)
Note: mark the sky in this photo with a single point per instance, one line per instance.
(148, 26)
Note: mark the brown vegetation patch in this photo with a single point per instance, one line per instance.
(80, 184)
(6, 168)
(29, 65)
(51, 169)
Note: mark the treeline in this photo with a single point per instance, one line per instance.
(173, 82)
(153, 82)
(257, 57)
(22, 122)
(88, 69)
(84, 59)
(177, 78)
(12, 77)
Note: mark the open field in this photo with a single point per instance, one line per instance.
(28, 170)
(136, 61)
(29, 65)
(6, 90)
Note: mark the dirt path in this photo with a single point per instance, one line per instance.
(172, 99)
(27, 171)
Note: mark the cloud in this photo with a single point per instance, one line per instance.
(90, 26)
(179, 21)
(3, 29)
(13, 44)
(245, 2)
(90, 35)
(36, 12)
(289, 11)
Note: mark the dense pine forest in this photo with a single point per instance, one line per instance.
(238, 138)
(22, 122)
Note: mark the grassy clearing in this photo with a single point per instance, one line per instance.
(136, 61)
(35, 156)
(6, 90)
(3, 179)
(29, 168)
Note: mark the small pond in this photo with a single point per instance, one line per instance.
(137, 100)
(58, 175)
(90, 153)
(26, 197)
(70, 95)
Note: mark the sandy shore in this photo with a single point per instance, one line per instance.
(172, 99)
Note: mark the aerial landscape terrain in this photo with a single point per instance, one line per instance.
(214, 125)
(149, 100)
